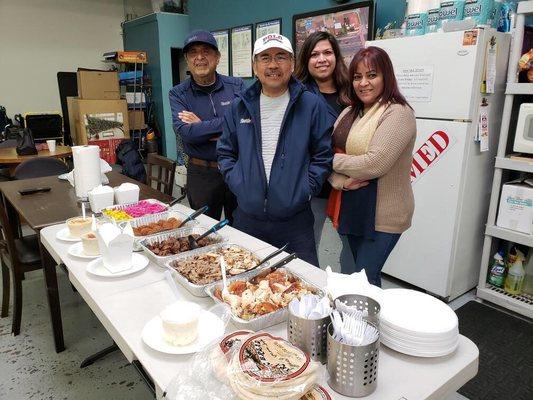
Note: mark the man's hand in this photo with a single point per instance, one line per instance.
(188, 117)
(353, 184)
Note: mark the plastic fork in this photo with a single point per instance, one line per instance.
(223, 267)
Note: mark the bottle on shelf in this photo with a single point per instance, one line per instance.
(497, 271)
(515, 277)
(528, 279)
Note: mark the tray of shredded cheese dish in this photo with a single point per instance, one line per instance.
(259, 299)
(198, 269)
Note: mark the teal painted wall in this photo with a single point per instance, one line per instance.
(222, 14)
(142, 34)
(173, 28)
(157, 34)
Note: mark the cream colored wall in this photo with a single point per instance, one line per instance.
(39, 38)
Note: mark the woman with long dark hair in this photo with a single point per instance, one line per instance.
(321, 69)
(373, 138)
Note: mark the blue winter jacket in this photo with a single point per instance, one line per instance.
(209, 107)
(302, 161)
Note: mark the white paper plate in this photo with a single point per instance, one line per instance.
(417, 313)
(450, 336)
(210, 327)
(417, 352)
(96, 267)
(64, 234)
(76, 250)
(415, 344)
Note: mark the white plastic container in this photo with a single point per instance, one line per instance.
(127, 193)
(101, 197)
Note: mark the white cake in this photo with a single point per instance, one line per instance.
(180, 323)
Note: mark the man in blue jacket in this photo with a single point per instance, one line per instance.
(198, 106)
(275, 151)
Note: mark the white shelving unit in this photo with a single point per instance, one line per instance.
(522, 304)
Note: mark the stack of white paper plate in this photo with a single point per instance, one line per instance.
(417, 324)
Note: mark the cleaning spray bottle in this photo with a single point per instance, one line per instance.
(497, 271)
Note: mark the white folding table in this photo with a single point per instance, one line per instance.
(124, 305)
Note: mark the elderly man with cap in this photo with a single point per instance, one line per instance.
(275, 151)
(198, 106)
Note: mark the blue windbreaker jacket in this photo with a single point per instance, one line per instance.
(209, 107)
(302, 161)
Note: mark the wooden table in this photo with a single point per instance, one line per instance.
(10, 157)
(49, 208)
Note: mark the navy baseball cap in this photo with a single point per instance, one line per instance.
(199, 36)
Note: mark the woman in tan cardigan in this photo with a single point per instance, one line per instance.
(373, 202)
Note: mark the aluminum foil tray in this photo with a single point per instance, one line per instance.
(200, 290)
(264, 321)
(182, 232)
(150, 218)
(123, 206)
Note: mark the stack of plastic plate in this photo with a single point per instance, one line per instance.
(417, 324)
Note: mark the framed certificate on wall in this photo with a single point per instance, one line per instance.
(266, 27)
(241, 51)
(222, 38)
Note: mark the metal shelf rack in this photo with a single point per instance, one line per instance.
(522, 304)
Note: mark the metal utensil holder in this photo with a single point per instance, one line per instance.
(310, 335)
(353, 370)
(367, 305)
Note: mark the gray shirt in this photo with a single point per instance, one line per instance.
(272, 110)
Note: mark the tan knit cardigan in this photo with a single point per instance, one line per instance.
(389, 158)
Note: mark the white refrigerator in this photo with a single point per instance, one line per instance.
(441, 74)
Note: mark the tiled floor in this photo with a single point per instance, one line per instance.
(30, 368)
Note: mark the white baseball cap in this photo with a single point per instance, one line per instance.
(272, 40)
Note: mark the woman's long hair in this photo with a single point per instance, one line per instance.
(340, 73)
(377, 59)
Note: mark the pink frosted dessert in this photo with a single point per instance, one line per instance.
(144, 208)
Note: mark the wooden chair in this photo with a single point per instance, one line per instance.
(20, 256)
(165, 170)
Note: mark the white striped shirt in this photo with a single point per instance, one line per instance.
(272, 110)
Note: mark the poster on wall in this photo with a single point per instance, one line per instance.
(241, 51)
(267, 27)
(222, 38)
(352, 25)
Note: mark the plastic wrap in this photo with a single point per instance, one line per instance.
(249, 365)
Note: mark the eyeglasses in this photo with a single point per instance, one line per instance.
(278, 58)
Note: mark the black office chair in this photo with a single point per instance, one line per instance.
(40, 166)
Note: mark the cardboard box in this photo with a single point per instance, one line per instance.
(72, 107)
(108, 149)
(98, 85)
(136, 119)
(101, 120)
(516, 206)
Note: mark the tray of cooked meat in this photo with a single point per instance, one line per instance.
(199, 268)
(154, 224)
(164, 246)
(259, 299)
